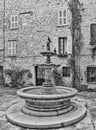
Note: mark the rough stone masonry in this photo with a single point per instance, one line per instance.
(38, 19)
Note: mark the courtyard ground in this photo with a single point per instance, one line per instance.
(8, 97)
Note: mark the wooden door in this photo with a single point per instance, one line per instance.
(40, 74)
(1, 74)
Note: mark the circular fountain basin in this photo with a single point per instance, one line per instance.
(18, 118)
(46, 105)
(51, 111)
(35, 93)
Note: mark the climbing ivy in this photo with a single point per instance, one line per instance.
(76, 9)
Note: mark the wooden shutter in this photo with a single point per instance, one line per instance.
(12, 21)
(14, 48)
(69, 45)
(16, 21)
(55, 44)
(60, 18)
(6, 49)
(9, 48)
(65, 44)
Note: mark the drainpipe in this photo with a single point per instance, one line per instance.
(4, 33)
(3, 50)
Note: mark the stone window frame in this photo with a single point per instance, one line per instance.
(65, 71)
(91, 74)
(14, 22)
(12, 48)
(93, 33)
(62, 47)
(62, 17)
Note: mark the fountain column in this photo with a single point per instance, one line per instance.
(48, 87)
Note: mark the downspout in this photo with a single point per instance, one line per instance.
(3, 60)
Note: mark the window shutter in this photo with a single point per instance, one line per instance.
(16, 21)
(11, 22)
(69, 45)
(9, 48)
(6, 49)
(59, 18)
(14, 48)
(55, 44)
(65, 44)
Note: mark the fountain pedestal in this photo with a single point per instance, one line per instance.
(48, 86)
(47, 106)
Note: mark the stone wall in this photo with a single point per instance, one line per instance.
(88, 17)
(38, 19)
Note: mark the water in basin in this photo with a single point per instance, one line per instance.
(37, 91)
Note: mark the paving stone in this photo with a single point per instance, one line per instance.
(84, 127)
(2, 113)
(86, 120)
(68, 128)
(3, 123)
(7, 102)
(15, 128)
(9, 126)
(82, 101)
(93, 113)
(6, 127)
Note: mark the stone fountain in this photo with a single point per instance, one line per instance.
(47, 106)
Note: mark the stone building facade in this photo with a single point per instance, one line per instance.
(29, 23)
(88, 55)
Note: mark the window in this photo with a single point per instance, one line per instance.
(12, 48)
(62, 45)
(62, 17)
(91, 74)
(65, 71)
(93, 33)
(14, 21)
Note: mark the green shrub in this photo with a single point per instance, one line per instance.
(83, 87)
(57, 78)
(15, 76)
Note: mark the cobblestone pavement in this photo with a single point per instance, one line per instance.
(87, 98)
